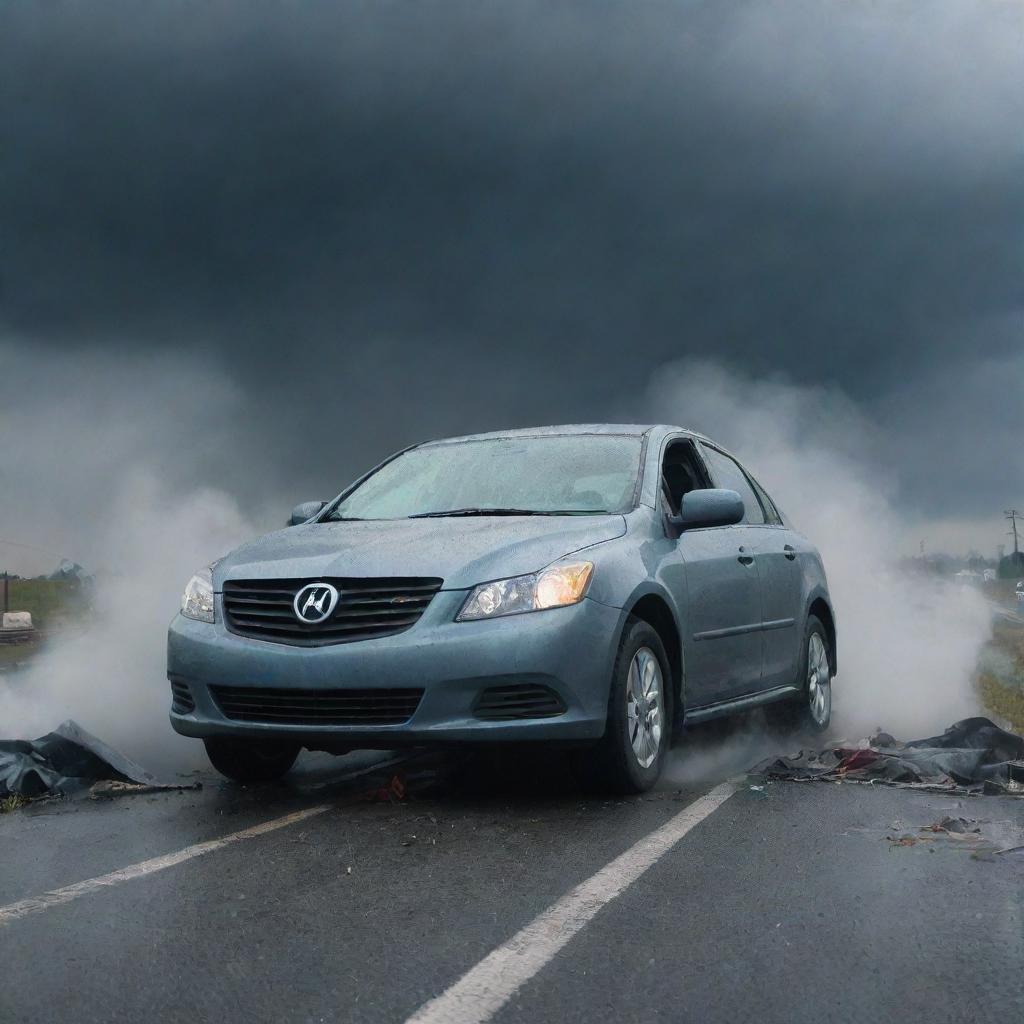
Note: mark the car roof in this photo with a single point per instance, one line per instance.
(568, 429)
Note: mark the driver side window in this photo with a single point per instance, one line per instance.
(680, 474)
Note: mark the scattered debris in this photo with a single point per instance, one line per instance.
(69, 760)
(106, 788)
(12, 803)
(905, 840)
(952, 826)
(971, 756)
(393, 792)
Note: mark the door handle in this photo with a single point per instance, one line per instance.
(790, 551)
(745, 559)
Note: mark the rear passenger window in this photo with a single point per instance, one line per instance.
(771, 513)
(726, 472)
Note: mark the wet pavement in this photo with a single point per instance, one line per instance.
(795, 902)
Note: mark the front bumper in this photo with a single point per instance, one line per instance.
(570, 650)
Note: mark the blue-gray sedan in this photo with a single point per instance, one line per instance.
(596, 585)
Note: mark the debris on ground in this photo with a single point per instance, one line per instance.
(393, 792)
(971, 756)
(69, 760)
(983, 840)
(12, 803)
(953, 827)
(906, 840)
(107, 788)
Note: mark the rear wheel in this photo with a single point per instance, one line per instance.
(250, 760)
(812, 712)
(629, 757)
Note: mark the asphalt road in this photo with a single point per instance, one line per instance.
(783, 904)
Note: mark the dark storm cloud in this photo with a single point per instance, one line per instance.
(426, 218)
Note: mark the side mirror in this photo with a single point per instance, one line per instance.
(305, 511)
(710, 507)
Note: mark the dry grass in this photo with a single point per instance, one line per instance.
(1010, 639)
(1002, 700)
(1005, 696)
(12, 803)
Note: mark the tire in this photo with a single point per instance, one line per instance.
(629, 757)
(250, 760)
(812, 711)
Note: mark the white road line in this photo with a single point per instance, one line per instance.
(485, 989)
(56, 897)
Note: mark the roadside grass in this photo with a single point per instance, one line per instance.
(1005, 701)
(48, 600)
(1002, 690)
(12, 803)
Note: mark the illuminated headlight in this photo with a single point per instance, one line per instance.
(552, 588)
(197, 601)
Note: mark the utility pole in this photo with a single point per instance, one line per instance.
(1013, 515)
(7, 592)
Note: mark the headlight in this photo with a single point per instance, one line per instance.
(552, 588)
(197, 601)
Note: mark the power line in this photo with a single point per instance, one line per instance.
(1013, 515)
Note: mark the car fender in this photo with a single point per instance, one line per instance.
(819, 593)
(629, 601)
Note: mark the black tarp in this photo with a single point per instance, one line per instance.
(973, 755)
(65, 760)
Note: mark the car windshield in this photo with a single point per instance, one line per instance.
(575, 474)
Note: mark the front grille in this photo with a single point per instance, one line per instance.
(181, 698)
(317, 707)
(367, 608)
(522, 700)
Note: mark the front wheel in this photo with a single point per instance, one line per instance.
(250, 760)
(629, 757)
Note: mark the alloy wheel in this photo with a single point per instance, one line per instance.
(645, 713)
(819, 681)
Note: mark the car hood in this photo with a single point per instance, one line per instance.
(461, 551)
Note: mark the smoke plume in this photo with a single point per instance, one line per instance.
(907, 645)
(106, 477)
(101, 476)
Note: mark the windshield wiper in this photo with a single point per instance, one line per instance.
(501, 512)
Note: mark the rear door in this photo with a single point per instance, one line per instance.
(778, 551)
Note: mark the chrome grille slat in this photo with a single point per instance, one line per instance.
(367, 609)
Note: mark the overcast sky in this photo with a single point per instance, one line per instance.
(370, 223)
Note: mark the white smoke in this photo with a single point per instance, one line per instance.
(100, 469)
(908, 645)
(104, 447)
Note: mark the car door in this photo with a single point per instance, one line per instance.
(778, 551)
(721, 594)
(724, 592)
(723, 655)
